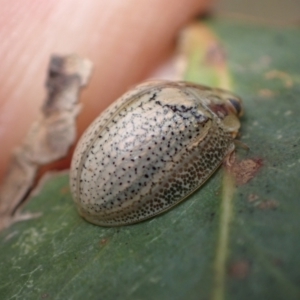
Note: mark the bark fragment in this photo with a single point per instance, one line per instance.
(49, 138)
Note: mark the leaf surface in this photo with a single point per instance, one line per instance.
(223, 242)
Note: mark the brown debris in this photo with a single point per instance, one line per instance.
(215, 54)
(103, 242)
(277, 262)
(243, 170)
(49, 138)
(266, 93)
(283, 76)
(268, 204)
(65, 190)
(262, 204)
(239, 269)
(252, 198)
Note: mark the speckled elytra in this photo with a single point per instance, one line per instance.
(151, 149)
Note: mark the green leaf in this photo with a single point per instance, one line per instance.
(224, 242)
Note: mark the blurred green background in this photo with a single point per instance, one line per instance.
(271, 11)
